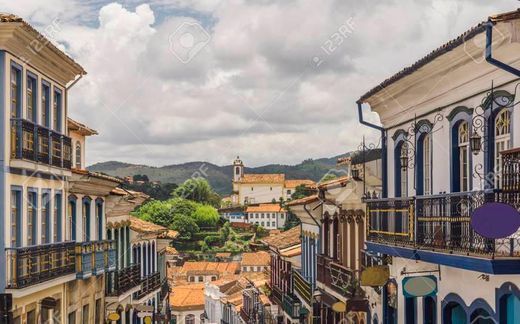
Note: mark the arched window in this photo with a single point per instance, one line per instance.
(502, 141)
(78, 155)
(454, 313)
(71, 219)
(189, 319)
(427, 165)
(481, 316)
(463, 154)
(86, 219)
(401, 174)
(237, 170)
(509, 305)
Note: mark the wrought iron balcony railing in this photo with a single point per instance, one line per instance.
(27, 266)
(37, 143)
(291, 306)
(302, 286)
(334, 275)
(94, 258)
(149, 284)
(440, 223)
(120, 281)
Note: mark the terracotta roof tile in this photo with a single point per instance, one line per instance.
(171, 250)
(96, 175)
(211, 267)
(303, 201)
(223, 255)
(80, 128)
(187, 297)
(142, 226)
(260, 258)
(285, 239)
(265, 208)
(169, 234)
(263, 178)
(292, 251)
(337, 181)
(296, 183)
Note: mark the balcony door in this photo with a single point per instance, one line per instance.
(502, 142)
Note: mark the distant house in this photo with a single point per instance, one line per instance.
(269, 216)
(187, 303)
(261, 188)
(255, 261)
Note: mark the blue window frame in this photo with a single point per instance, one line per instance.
(31, 93)
(86, 218)
(423, 158)
(46, 216)
(430, 310)
(508, 303)
(71, 217)
(45, 104)
(99, 218)
(32, 209)
(410, 310)
(56, 110)
(16, 90)
(58, 217)
(127, 242)
(16, 216)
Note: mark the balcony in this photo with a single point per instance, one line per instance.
(437, 229)
(292, 306)
(28, 266)
(35, 143)
(302, 287)
(335, 276)
(149, 284)
(121, 281)
(94, 257)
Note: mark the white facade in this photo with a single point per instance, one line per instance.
(268, 220)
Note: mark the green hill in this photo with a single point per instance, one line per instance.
(218, 176)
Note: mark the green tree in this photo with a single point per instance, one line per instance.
(301, 191)
(224, 232)
(155, 211)
(205, 216)
(328, 177)
(198, 190)
(186, 226)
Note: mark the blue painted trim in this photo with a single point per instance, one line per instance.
(36, 208)
(507, 288)
(86, 203)
(477, 304)
(491, 266)
(19, 207)
(57, 93)
(410, 315)
(406, 279)
(100, 218)
(400, 133)
(48, 223)
(46, 87)
(19, 82)
(387, 318)
(58, 199)
(73, 201)
(459, 115)
(34, 79)
(430, 318)
(3, 171)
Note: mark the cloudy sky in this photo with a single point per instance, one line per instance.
(172, 81)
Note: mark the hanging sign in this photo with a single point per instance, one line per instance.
(113, 317)
(339, 307)
(358, 305)
(495, 220)
(420, 286)
(375, 276)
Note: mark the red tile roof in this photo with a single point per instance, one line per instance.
(263, 178)
(296, 183)
(284, 239)
(187, 297)
(303, 201)
(260, 258)
(265, 208)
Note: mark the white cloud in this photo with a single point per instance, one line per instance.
(254, 90)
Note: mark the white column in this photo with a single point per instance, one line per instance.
(142, 259)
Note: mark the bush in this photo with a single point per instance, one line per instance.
(186, 226)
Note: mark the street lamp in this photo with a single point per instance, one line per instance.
(404, 161)
(475, 143)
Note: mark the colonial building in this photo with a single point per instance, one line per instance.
(255, 261)
(285, 250)
(333, 236)
(187, 303)
(35, 158)
(269, 216)
(450, 138)
(261, 188)
(85, 224)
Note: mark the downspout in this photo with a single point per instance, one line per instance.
(67, 88)
(383, 148)
(489, 56)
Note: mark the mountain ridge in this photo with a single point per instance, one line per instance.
(218, 176)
